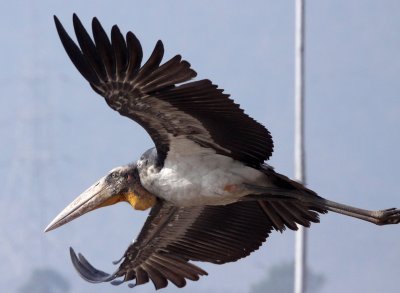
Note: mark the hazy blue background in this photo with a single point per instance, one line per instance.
(58, 136)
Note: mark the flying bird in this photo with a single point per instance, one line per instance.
(212, 196)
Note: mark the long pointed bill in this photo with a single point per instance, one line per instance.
(94, 197)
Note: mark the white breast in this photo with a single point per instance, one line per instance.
(193, 175)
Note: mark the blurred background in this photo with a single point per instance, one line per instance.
(58, 137)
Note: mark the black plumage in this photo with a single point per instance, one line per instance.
(172, 236)
(160, 98)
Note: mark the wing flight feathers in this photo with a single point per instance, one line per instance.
(160, 97)
(173, 236)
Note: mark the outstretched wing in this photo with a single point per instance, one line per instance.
(173, 236)
(160, 98)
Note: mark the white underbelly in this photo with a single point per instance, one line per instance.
(199, 176)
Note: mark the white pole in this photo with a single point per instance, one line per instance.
(299, 154)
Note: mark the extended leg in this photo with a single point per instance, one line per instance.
(381, 217)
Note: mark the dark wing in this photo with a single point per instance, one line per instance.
(173, 236)
(151, 96)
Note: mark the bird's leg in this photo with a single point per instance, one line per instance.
(381, 217)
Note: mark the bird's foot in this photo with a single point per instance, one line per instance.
(388, 216)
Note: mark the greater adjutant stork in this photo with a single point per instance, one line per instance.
(211, 195)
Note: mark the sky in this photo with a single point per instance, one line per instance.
(58, 136)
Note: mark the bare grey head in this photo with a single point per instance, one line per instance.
(120, 184)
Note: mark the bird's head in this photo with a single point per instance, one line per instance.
(121, 184)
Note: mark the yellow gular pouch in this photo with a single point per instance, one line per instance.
(112, 200)
(140, 202)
